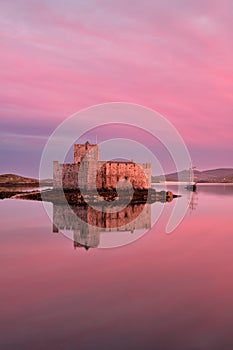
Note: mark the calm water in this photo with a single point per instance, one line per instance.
(162, 292)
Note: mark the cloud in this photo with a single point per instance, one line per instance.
(173, 56)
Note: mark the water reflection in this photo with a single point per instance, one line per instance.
(131, 298)
(216, 189)
(84, 224)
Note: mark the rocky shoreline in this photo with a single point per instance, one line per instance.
(75, 197)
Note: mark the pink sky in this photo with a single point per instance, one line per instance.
(60, 56)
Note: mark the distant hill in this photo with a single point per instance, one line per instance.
(17, 180)
(212, 176)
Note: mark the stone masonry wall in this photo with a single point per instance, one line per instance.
(92, 173)
(110, 173)
(90, 151)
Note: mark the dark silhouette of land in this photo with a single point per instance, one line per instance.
(28, 188)
(11, 185)
(18, 180)
(220, 175)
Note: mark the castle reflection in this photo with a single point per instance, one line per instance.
(85, 224)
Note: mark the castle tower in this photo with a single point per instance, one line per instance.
(87, 156)
(88, 150)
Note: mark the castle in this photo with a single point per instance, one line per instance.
(90, 173)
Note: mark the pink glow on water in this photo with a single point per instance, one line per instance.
(162, 284)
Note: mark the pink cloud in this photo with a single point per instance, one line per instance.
(172, 56)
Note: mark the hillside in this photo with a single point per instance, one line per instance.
(211, 176)
(17, 180)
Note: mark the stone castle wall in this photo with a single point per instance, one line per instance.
(110, 173)
(88, 172)
(90, 151)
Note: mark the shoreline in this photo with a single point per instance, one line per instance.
(103, 196)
